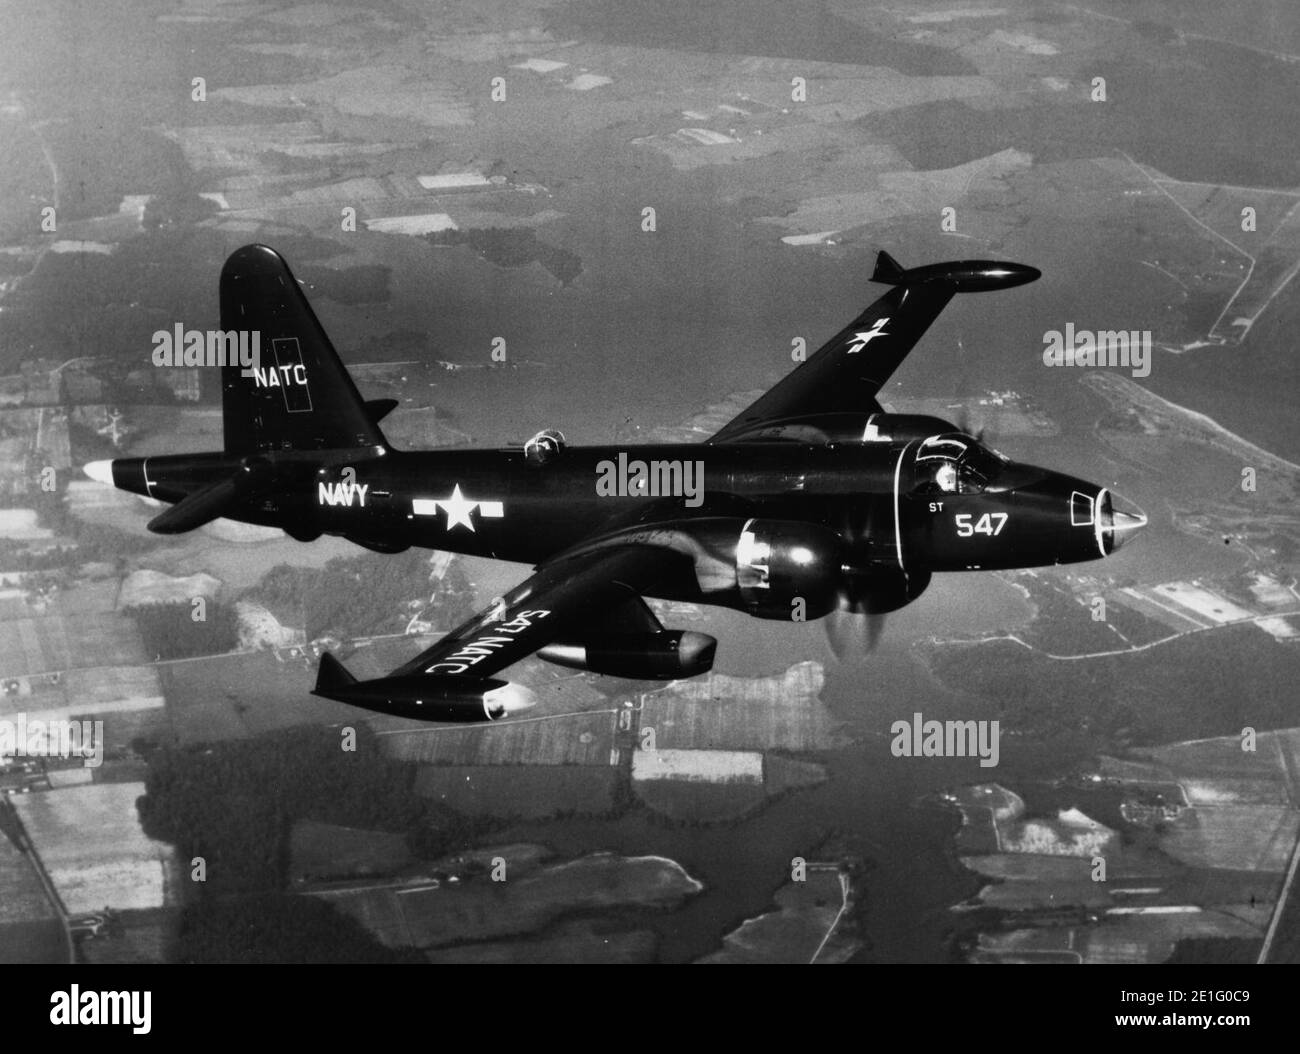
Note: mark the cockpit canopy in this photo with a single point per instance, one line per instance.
(955, 463)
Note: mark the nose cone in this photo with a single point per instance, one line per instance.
(1119, 522)
(978, 276)
(100, 471)
(508, 700)
(1006, 275)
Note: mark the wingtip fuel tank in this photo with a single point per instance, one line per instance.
(965, 276)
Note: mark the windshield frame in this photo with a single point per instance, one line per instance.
(975, 467)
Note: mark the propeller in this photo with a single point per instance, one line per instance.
(963, 418)
(872, 584)
(851, 629)
(852, 633)
(963, 423)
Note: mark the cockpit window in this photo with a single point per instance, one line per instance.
(954, 464)
(948, 448)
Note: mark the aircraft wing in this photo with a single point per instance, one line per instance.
(848, 371)
(569, 597)
(563, 596)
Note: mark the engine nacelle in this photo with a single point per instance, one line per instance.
(640, 656)
(760, 567)
(763, 567)
(878, 590)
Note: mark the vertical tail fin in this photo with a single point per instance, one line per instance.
(297, 394)
(888, 271)
(332, 676)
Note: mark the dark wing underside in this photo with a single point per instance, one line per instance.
(564, 597)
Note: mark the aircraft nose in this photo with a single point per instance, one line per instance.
(1120, 521)
(100, 471)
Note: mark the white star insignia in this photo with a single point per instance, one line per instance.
(458, 508)
(864, 338)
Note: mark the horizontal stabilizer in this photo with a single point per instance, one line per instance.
(211, 502)
(203, 506)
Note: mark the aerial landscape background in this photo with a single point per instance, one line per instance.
(641, 207)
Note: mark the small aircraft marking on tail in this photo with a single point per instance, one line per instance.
(861, 340)
(288, 357)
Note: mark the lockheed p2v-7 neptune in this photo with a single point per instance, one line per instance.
(812, 501)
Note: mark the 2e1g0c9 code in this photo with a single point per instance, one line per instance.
(1210, 997)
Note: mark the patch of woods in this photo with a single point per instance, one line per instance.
(233, 805)
(171, 631)
(365, 595)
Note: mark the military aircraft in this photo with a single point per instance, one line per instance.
(812, 501)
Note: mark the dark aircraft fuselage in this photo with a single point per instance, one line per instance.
(495, 503)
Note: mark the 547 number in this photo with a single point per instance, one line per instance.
(991, 523)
